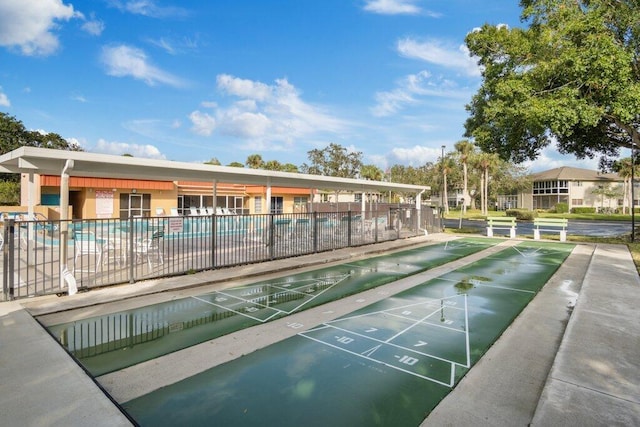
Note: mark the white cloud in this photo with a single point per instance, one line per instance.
(118, 148)
(411, 88)
(392, 7)
(416, 156)
(78, 97)
(243, 124)
(174, 46)
(388, 103)
(123, 61)
(203, 123)
(30, 25)
(243, 88)
(93, 26)
(4, 99)
(550, 158)
(263, 115)
(439, 53)
(148, 8)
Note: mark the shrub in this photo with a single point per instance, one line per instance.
(583, 210)
(522, 214)
(562, 207)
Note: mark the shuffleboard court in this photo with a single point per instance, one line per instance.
(389, 363)
(114, 341)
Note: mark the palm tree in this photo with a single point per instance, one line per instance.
(371, 172)
(485, 163)
(254, 161)
(447, 165)
(623, 168)
(465, 149)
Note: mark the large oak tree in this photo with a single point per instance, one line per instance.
(572, 76)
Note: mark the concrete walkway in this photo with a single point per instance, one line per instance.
(555, 365)
(595, 379)
(540, 373)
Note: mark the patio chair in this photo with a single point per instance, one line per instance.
(151, 249)
(174, 212)
(87, 244)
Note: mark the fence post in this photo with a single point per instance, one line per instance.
(9, 266)
(5, 258)
(214, 235)
(271, 234)
(132, 236)
(375, 226)
(314, 230)
(349, 228)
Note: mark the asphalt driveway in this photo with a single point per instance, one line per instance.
(576, 228)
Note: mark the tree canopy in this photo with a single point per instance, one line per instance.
(333, 160)
(14, 135)
(572, 76)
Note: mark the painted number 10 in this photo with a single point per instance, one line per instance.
(408, 360)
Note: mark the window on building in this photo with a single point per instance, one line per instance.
(551, 187)
(577, 202)
(277, 204)
(300, 204)
(135, 205)
(258, 204)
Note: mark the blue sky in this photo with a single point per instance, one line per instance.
(191, 80)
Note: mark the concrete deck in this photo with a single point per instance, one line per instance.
(556, 364)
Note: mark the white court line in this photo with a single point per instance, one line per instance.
(372, 351)
(480, 283)
(236, 311)
(378, 341)
(414, 324)
(516, 249)
(505, 288)
(435, 325)
(424, 301)
(280, 286)
(450, 384)
(357, 266)
(466, 329)
(344, 276)
(276, 310)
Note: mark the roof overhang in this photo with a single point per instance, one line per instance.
(46, 161)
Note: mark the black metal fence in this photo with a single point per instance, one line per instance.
(103, 252)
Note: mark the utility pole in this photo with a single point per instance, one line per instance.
(443, 201)
(633, 197)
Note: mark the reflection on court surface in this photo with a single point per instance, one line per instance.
(426, 339)
(389, 363)
(267, 301)
(152, 331)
